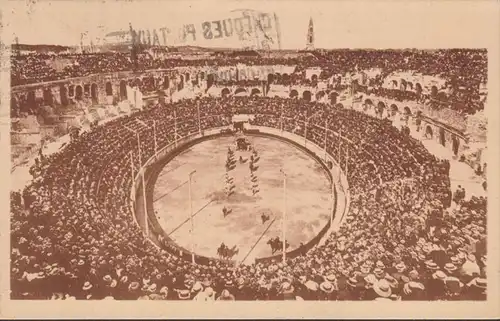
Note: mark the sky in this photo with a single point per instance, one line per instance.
(337, 24)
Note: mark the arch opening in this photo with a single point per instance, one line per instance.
(428, 131)
(442, 138)
(306, 95)
(240, 91)
(455, 144)
(166, 82)
(48, 99)
(109, 89)
(63, 93)
(123, 89)
(255, 92)
(270, 78)
(78, 92)
(94, 93)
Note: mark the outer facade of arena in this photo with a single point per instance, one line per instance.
(359, 144)
(106, 90)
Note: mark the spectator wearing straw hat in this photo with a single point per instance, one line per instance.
(476, 289)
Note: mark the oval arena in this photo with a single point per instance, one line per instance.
(248, 215)
(140, 194)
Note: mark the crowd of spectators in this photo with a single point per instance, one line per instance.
(73, 235)
(464, 70)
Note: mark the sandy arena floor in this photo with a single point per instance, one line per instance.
(308, 198)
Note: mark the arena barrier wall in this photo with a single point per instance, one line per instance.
(153, 166)
(151, 169)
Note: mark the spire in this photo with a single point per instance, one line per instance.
(310, 36)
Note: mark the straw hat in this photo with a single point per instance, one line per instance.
(311, 285)
(450, 267)
(164, 291)
(378, 272)
(326, 287)
(439, 275)
(183, 294)
(479, 282)
(286, 287)
(225, 295)
(352, 282)
(365, 269)
(382, 288)
(331, 278)
(133, 286)
(400, 267)
(152, 287)
(370, 279)
(453, 284)
(87, 286)
(196, 287)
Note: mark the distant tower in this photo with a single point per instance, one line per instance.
(310, 36)
(17, 51)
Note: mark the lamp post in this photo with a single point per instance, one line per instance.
(154, 134)
(199, 118)
(138, 143)
(347, 161)
(146, 224)
(191, 216)
(326, 134)
(282, 119)
(283, 218)
(132, 165)
(175, 127)
(333, 202)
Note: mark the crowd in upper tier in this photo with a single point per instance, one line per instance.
(464, 70)
(406, 237)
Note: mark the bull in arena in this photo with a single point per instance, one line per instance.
(265, 218)
(226, 211)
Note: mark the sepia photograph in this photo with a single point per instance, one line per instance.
(260, 151)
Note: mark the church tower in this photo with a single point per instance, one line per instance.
(310, 36)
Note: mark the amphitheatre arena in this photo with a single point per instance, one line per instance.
(308, 190)
(304, 181)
